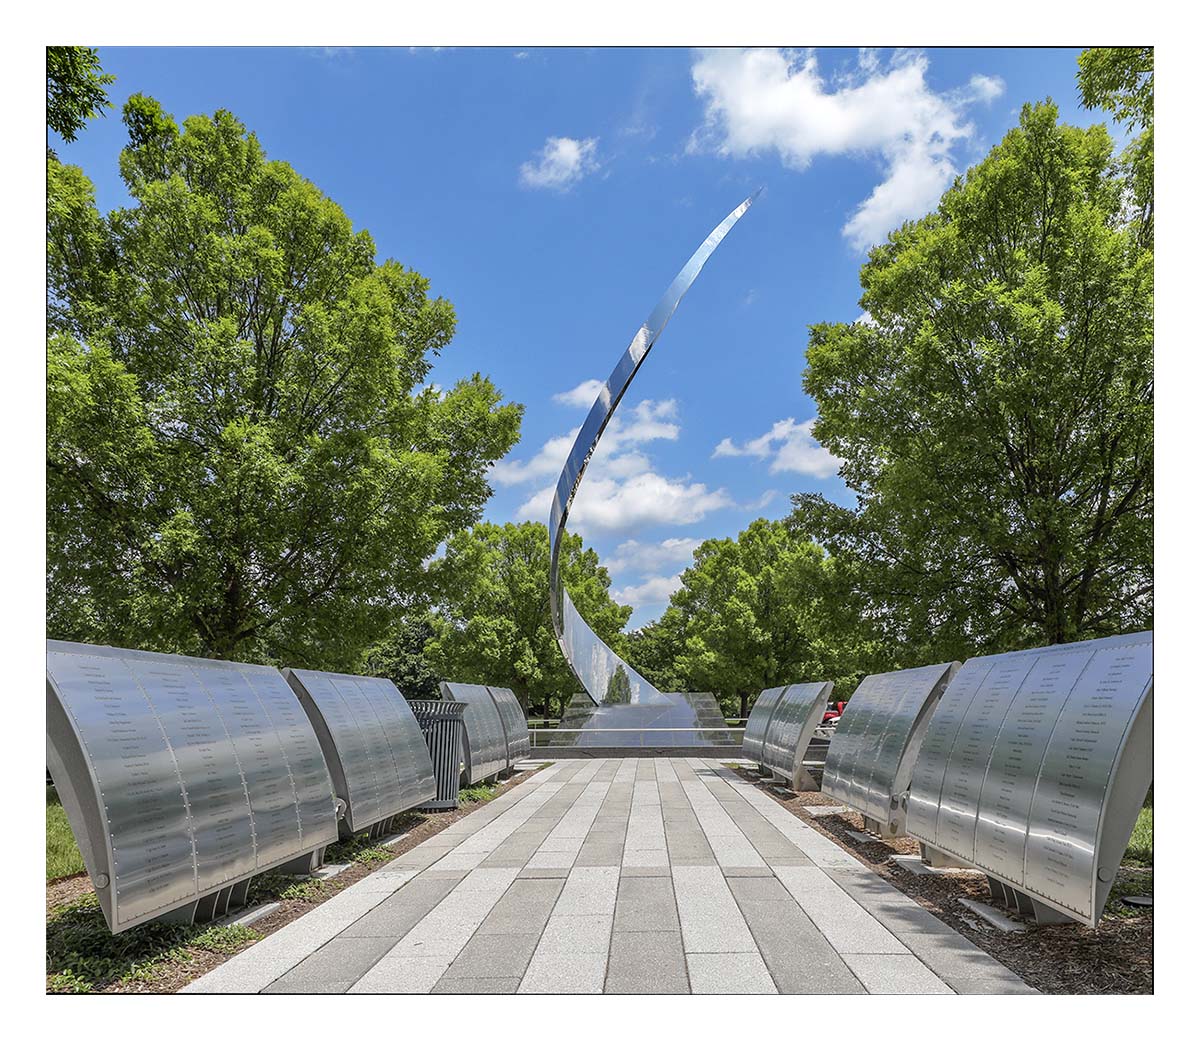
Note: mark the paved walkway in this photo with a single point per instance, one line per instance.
(620, 876)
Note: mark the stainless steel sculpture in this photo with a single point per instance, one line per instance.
(485, 751)
(591, 659)
(875, 745)
(516, 726)
(793, 722)
(372, 744)
(1034, 768)
(182, 778)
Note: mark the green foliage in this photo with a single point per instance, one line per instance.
(82, 955)
(619, 691)
(996, 415)
(62, 853)
(400, 657)
(768, 608)
(74, 89)
(485, 791)
(245, 458)
(1141, 842)
(494, 622)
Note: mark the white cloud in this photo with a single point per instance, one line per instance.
(581, 396)
(792, 447)
(563, 162)
(763, 100)
(650, 593)
(645, 557)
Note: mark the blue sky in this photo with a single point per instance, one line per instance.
(552, 195)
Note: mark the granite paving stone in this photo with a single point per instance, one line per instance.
(646, 963)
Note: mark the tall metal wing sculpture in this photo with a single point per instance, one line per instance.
(597, 665)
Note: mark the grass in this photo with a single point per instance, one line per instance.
(83, 956)
(1141, 842)
(481, 792)
(62, 854)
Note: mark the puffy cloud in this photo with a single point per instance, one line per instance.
(645, 557)
(563, 162)
(763, 100)
(581, 396)
(791, 448)
(650, 593)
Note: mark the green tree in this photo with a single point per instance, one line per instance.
(652, 650)
(401, 658)
(493, 623)
(619, 690)
(244, 456)
(74, 89)
(768, 608)
(996, 414)
(1121, 81)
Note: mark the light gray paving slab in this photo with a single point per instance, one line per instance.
(848, 927)
(494, 955)
(400, 912)
(646, 963)
(709, 916)
(744, 973)
(333, 967)
(589, 891)
(467, 985)
(545, 872)
(1015, 985)
(895, 974)
(657, 871)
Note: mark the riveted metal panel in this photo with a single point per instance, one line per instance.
(801, 707)
(486, 751)
(758, 721)
(516, 726)
(177, 775)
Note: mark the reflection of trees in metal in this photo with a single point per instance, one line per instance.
(619, 689)
(591, 659)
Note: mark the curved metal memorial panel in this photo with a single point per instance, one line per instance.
(758, 721)
(800, 708)
(181, 777)
(372, 743)
(485, 749)
(591, 659)
(874, 746)
(516, 726)
(1041, 761)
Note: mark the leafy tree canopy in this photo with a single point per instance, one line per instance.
(400, 657)
(74, 89)
(245, 458)
(996, 414)
(494, 623)
(767, 608)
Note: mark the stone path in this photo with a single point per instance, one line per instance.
(620, 876)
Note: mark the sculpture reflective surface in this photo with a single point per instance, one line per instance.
(596, 665)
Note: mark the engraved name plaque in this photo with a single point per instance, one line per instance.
(800, 708)
(1035, 766)
(485, 747)
(516, 726)
(371, 741)
(181, 777)
(757, 723)
(874, 746)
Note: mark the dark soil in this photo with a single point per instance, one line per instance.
(1115, 958)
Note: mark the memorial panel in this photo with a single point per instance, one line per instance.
(801, 707)
(176, 775)
(758, 721)
(486, 751)
(1040, 764)
(874, 745)
(516, 726)
(371, 741)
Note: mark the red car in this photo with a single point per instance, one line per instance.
(833, 712)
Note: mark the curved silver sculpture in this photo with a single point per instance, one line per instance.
(1034, 768)
(595, 663)
(485, 743)
(790, 730)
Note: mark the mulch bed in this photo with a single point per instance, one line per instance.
(415, 827)
(1116, 958)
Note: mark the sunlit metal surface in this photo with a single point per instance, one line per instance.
(595, 664)
(486, 748)
(372, 743)
(181, 777)
(1035, 765)
(800, 708)
(758, 721)
(672, 720)
(874, 745)
(516, 727)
